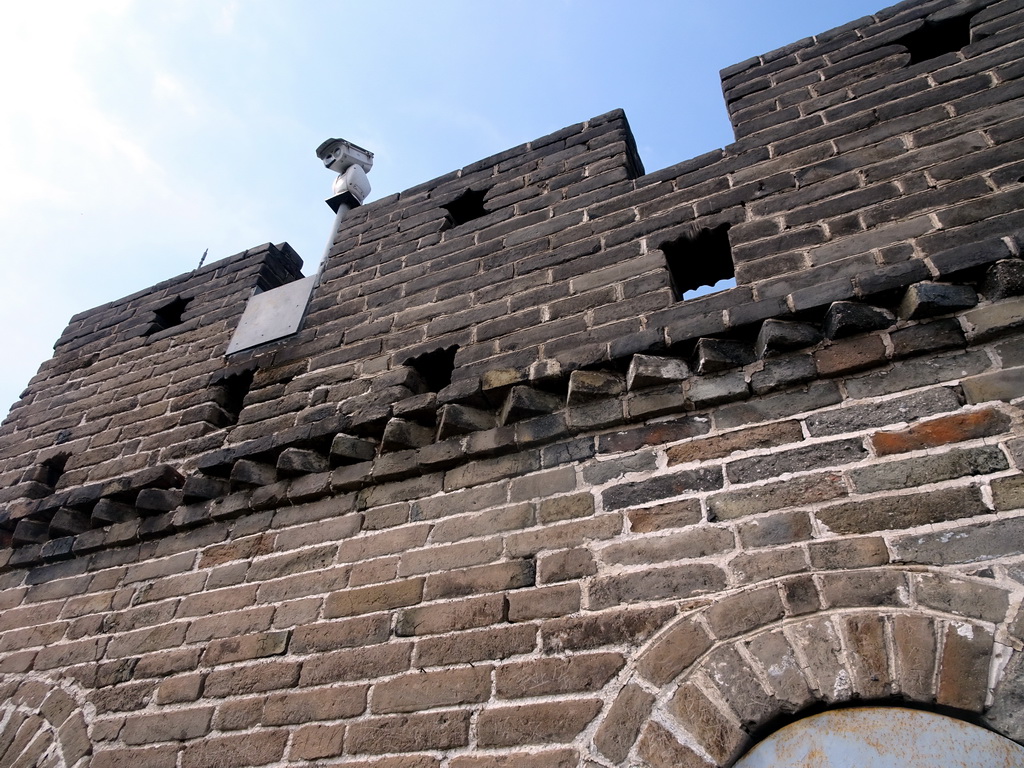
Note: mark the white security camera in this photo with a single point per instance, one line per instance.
(354, 182)
(340, 155)
(352, 163)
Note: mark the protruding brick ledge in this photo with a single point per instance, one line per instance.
(462, 432)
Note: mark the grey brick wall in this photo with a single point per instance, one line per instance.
(507, 499)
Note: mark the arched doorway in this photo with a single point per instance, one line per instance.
(882, 737)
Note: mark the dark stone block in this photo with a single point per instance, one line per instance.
(455, 419)
(155, 500)
(713, 355)
(298, 461)
(647, 371)
(69, 522)
(1004, 279)
(930, 299)
(927, 337)
(401, 435)
(523, 402)
(593, 385)
(419, 408)
(247, 473)
(30, 531)
(784, 371)
(58, 549)
(201, 488)
(847, 318)
(108, 512)
(784, 335)
(346, 449)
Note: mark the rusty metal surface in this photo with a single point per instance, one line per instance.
(272, 315)
(883, 737)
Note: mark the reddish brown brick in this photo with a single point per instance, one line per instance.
(402, 761)
(535, 723)
(356, 664)
(717, 734)
(263, 676)
(514, 574)
(124, 698)
(719, 446)
(239, 714)
(314, 741)
(345, 633)
(479, 645)
(675, 514)
(374, 571)
(180, 689)
(177, 725)
(306, 706)
(850, 355)
(539, 677)
(674, 651)
(963, 667)
(452, 617)
(383, 597)
(543, 603)
(957, 428)
(425, 690)
(239, 751)
(619, 730)
(152, 757)
(408, 733)
(245, 648)
(551, 758)
(660, 749)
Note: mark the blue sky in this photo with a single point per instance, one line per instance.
(136, 134)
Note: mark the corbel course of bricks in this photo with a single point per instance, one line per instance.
(525, 412)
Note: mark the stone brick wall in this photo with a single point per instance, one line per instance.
(507, 500)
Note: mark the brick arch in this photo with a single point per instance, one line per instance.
(722, 675)
(42, 724)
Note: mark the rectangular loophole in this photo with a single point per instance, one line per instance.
(169, 315)
(229, 393)
(935, 38)
(700, 262)
(466, 207)
(436, 367)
